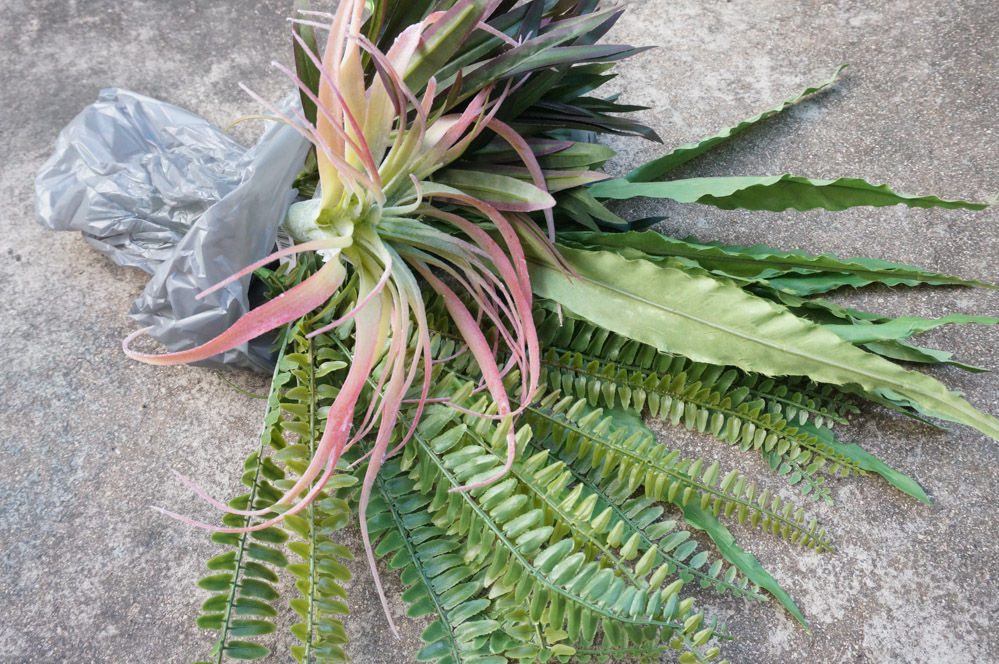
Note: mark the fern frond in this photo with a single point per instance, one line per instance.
(705, 397)
(575, 344)
(321, 574)
(436, 574)
(637, 459)
(623, 520)
(243, 606)
(598, 442)
(641, 515)
(528, 561)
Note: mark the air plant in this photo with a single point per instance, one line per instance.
(376, 146)
(491, 333)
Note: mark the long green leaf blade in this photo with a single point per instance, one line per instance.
(746, 562)
(775, 193)
(869, 462)
(658, 167)
(764, 262)
(902, 327)
(907, 352)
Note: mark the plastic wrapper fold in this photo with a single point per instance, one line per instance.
(157, 187)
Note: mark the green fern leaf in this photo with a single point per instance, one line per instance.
(243, 604)
(562, 584)
(320, 576)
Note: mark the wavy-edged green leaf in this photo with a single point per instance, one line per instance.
(908, 352)
(764, 262)
(825, 312)
(746, 562)
(825, 282)
(617, 372)
(711, 321)
(870, 463)
(902, 327)
(658, 167)
(775, 193)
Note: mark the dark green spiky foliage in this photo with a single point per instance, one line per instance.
(584, 549)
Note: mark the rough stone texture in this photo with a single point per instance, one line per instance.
(90, 575)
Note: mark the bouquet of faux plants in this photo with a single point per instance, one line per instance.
(468, 340)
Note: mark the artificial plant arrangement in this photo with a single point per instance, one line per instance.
(468, 340)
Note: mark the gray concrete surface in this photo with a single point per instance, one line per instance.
(89, 574)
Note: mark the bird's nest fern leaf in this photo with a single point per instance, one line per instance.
(574, 346)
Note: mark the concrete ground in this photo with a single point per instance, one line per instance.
(89, 574)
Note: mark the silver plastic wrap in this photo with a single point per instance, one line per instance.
(133, 175)
(156, 187)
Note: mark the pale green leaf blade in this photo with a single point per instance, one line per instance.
(656, 168)
(868, 462)
(711, 321)
(746, 562)
(907, 352)
(502, 191)
(825, 282)
(902, 327)
(764, 262)
(775, 193)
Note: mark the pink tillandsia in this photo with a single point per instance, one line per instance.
(376, 146)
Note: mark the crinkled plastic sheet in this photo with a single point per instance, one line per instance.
(156, 187)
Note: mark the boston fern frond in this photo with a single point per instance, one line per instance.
(615, 371)
(539, 565)
(622, 373)
(244, 603)
(440, 580)
(618, 372)
(320, 575)
(637, 460)
(641, 515)
(615, 452)
(249, 604)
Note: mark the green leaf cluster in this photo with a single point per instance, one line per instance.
(585, 549)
